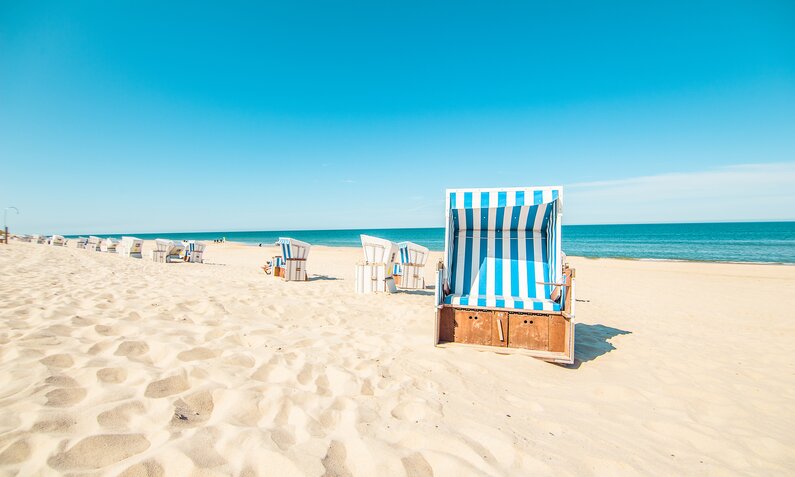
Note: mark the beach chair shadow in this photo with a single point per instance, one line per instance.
(416, 292)
(320, 277)
(592, 341)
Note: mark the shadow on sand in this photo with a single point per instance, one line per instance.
(416, 292)
(592, 341)
(320, 277)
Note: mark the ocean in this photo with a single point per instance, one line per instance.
(764, 242)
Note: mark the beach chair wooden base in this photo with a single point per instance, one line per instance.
(412, 278)
(371, 277)
(294, 270)
(544, 335)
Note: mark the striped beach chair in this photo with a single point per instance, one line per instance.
(502, 282)
(412, 258)
(167, 251)
(375, 273)
(194, 251)
(57, 241)
(81, 242)
(294, 255)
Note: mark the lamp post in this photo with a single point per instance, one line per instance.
(5, 220)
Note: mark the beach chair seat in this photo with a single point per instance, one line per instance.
(194, 251)
(412, 258)
(502, 266)
(501, 301)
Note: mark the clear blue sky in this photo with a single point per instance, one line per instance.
(193, 116)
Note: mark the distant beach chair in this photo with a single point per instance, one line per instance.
(81, 242)
(130, 247)
(108, 245)
(93, 243)
(375, 273)
(36, 238)
(502, 283)
(194, 251)
(57, 241)
(167, 251)
(294, 255)
(412, 259)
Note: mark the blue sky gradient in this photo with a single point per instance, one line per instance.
(174, 117)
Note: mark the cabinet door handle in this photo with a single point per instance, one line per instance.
(499, 328)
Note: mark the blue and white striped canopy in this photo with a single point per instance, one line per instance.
(503, 247)
(411, 252)
(294, 249)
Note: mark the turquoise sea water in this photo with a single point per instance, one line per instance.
(730, 242)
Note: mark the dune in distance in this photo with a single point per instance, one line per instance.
(118, 366)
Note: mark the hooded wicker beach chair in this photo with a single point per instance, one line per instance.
(292, 259)
(375, 273)
(108, 245)
(412, 258)
(167, 251)
(194, 251)
(502, 284)
(81, 242)
(93, 243)
(57, 241)
(130, 247)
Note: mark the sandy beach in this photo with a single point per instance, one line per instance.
(118, 366)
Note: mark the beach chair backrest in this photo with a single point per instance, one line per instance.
(413, 253)
(503, 242)
(294, 249)
(378, 250)
(131, 245)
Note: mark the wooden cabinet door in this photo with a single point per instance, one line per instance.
(528, 331)
(499, 330)
(557, 333)
(473, 327)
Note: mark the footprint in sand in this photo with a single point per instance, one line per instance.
(112, 375)
(55, 424)
(65, 396)
(196, 354)
(166, 387)
(193, 410)
(283, 439)
(132, 348)
(119, 416)
(58, 361)
(99, 451)
(104, 330)
(416, 466)
(62, 382)
(17, 452)
(334, 461)
(99, 347)
(147, 468)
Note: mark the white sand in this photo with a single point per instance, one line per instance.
(115, 365)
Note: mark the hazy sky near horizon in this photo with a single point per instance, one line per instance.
(158, 116)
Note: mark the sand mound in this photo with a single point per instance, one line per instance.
(96, 452)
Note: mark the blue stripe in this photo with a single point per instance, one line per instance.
(520, 197)
(484, 241)
(500, 303)
(454, 258)
(538, 197)
(502, 199)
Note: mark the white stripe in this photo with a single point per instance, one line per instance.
(475, 275)
(538, 273)
(459, 272)
(522, 254)
(490, 260)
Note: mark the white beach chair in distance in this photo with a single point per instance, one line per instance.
(93, 243)
(167, 251)
(130, 247)
(412, 258)
(195, 251)
(295, 254)
(375, 272)
(58, 241)
(81, 242)
(108, 245)
(502, 283)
